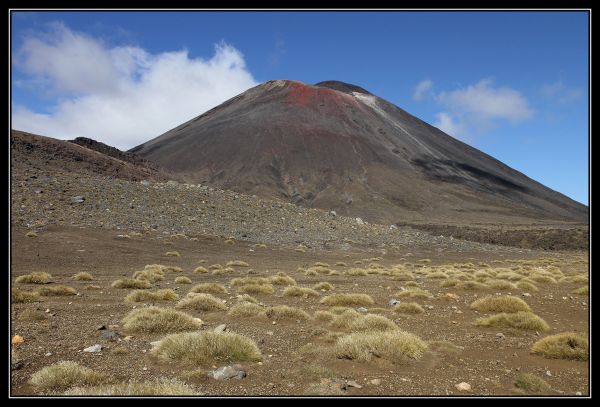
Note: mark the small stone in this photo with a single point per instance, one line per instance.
(353, 383)
(17, 339)
(77, 199)
(228, 372)
(429, 306)
(500, 336)
(93, 349)
(144, 368)
(270, 333)
(394, 302)
(464, 386)
(362, 309)
(526, 295)
(109, 335)
(274, 322)
(578, 393)
(155, 343)
(47, 310)
(128, 338)
(220, 328)
(548, 373)
(48, 354)
(376, 382)
(452, 296)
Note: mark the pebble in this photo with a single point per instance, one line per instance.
(500, 336)
(464, 386)
(48, 354)
(394, 302)
(578, 393)
(548, 373)
(220, 328)
(526, 295)
(93, 349)
(362, 309)
(352, 383)
(376, 382)
(228, 372)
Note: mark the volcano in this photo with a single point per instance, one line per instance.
(338, 147)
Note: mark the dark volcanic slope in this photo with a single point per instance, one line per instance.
(336, 146)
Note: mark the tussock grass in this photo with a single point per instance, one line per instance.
(500, 285)
(40, 277)
(200, 269)
(334, 273)
(172, 269)
(62, 375)
(282, 312)
(339, 310)
(321, 264)
(472, 286)
(300, 249)
(237, 263)
(120, 350)
(31, 234)
(92, 287)
(218, 272)
(236, 282)
(229, 241)
(526, 285)
(356, 272)
(396, 346)
(183, 280)
(173, 254)
(248, 298)
(311, 273)
(256, 289)
(542, 278)
(403, 276)
(324, 285)
(83, 276)
(510, 276)
(295, 291)
(323, 316)
(411, 284)
(451, 282)
(209, 288)
(158, 295)
(414, 293)
(566, 345)
(282, 280)
(260, 245)
(531, 383)
(205, 348)
(347, 299)
(19, 296)
(355, 322)
(581, 278)
(32, 315)
(215, 266)
(150, 275)
(506, 303)
(131, 283)
(582, 291)
(245, 309)
(201, 302)
(518, 320)
(437, 274)
(157, 387)
(341, 264)
(482, 275)
(159, 320)
(409, 308)
(56, 291)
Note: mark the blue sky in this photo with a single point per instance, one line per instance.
(512, 84)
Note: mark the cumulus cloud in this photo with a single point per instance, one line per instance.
(476, 108)
(559, 92)
(122, 96)
(423, 90)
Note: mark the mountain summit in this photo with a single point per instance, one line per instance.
(338, 147)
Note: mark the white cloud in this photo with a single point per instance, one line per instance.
(561, 93)
(476, 108)
(122, 96)
(423, 90)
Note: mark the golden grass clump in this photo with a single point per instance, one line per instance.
(323, 286)
(229, 241)
(182, 280)
(526, 285)
(409, 308)
(172, 269)
(63, 375)
(581, 291)
(509, 275)
(518, 320)
(437, 274)
(200, 269)
(543, 278)
(39, 277)
(300, 249)
(236, 282)
(355, 322)
(201, 302)
(159, 320)
(32, 315)
(566, 345)
(414, 293)
(150, 275)
(356, 272)
(282, 280)
(395, 346)
(341, 264)
(311, 273)
(31, 234)
(83, 276)
(321, 264)
(209, 288)
(260, 245)
(347, 299)
(580, 278)
(19, 296)
(245, 309)
(131, 283)
(295, 291)
(173, 254)
(403, 276)
(500, 284)
(215, 266)
(323, 316)
(472, 286)
(237, 263)
(412, 284)
(506, 303)
(156, 387)
(451, 282)
(248, 298)
(281, 312)
(56, 291)
(263, 289)
(158, 295)
(531, 383)
(205, 348)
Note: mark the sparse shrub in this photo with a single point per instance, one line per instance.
(210, 288)
(183, 280)
(295, 291)
(62, 375)
(157, 387)
(567, 345)
(237, 263)
(409, 308)
(40, 277)
(131, 283)
(218, 272)
(120, 350)
(32, 315)
(56, 291)
(264, 289)
(200, 269)
(531, 383)
(582, 291)
(201, 302)
(158, 295)
(92, 287)
(173, 254)
(518, 320)
(396, 346)
(159, 320)
(205, 348)
(150, 275)
(245, 309)
(172, 269)
(31, 234)
(83, 276)
(284, 312)
(282, 280)
(19, 296)
(347, 299)
(507, 303)
(323, 286)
